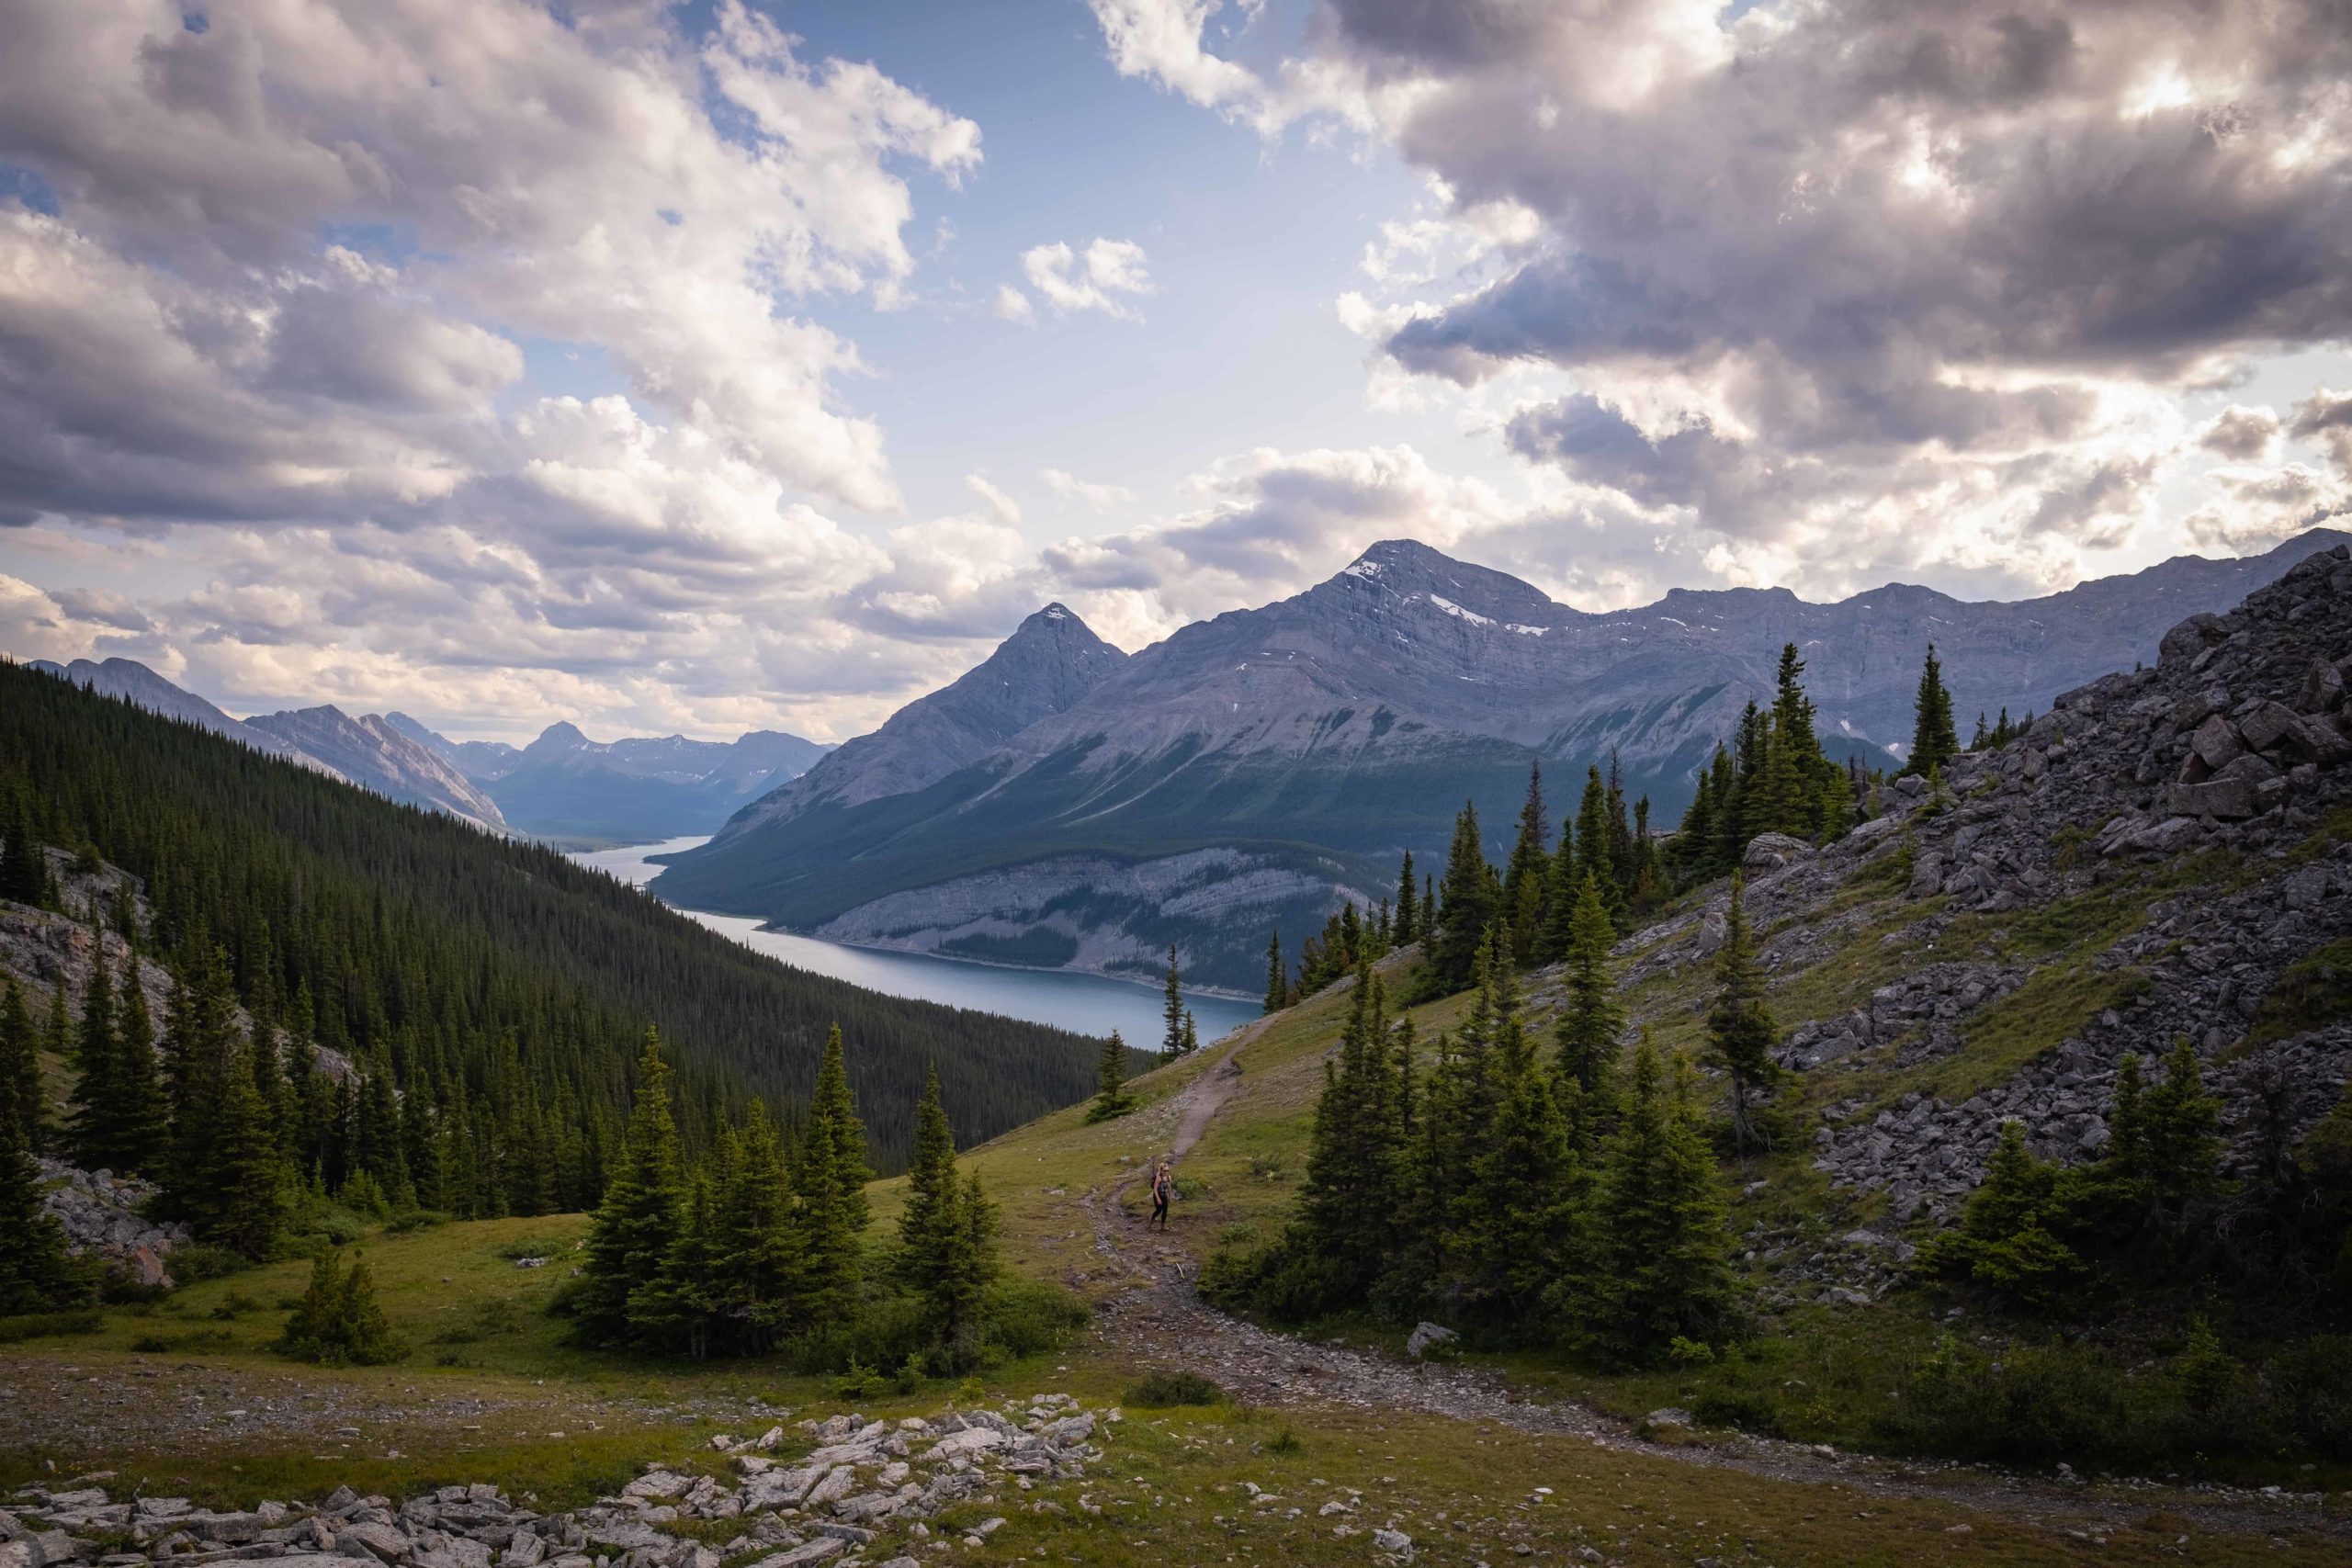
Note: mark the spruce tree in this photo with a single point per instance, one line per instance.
(1277, 979)
(20, 1091)
(97, 1051)
(1933, 740)
(24, 870)
(1515, 1204)
(1408, 930)
(338, 1320)
(1468, 907)
(1192, 1034)
(753, 1260)
(1348, 1199)
(1526, 879)
(35, 1274)
(955, 1293)
(677, 1307)
(1426, 923)
(1112, 1097)
(631, 1232)
(1590, 1019)
(1740, 1029)
(1595, 852)
(246, 1167)
(830, 1181)
(1171, 1010)
(138, 1124)
(927, 1224)
(1663, 1272)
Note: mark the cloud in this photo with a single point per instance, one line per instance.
(1012, 305)
(1002, 507)
(1067, 280)
(335, 218)
(1101, 497)
(1783, 273)
(2325, 419)
(2240, 434)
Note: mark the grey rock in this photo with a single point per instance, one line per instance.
(1426, 1337)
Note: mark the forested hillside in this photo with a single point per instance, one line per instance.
(492, 981)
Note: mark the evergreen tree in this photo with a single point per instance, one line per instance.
(1408, 930)
(1933, 740)
(246, 1167)
(2179, 1126)
(1112, 1097)
(1526, 879)
(1596, 851)
(830, 1182)
(754, 1262)
(929, 1225)
(1590, 1019)
(20, 1091)
(35, 1274)
(1515, 1205)
(97, 1097)
(1192, 1034)
(632, 1230)
(1277, 979)
(955, 1293)
(1426, 923)
(1171, 1010)
(24, 870)
(1662, 1270)
(1468, 907)
(338, 1320)
(2007, 1236)
(1740, 1029)
(1347, 1200)
(676, 1309)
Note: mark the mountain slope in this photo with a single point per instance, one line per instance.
(1051, 662)
(1310, 740)
(416, 936)
(371, 752)
(142, 688)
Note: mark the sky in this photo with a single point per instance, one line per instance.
(728, 365)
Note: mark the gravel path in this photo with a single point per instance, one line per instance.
(1160, 1322)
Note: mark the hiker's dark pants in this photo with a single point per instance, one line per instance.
(1160, 1212)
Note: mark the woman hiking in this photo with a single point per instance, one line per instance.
(1163, 1186)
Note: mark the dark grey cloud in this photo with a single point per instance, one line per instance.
(1890, 235)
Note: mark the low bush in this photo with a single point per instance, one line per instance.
(1162, 1391)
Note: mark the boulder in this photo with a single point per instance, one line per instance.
(1771, 851)
(2228, 799)
(2191, 638)
(1425, 1336)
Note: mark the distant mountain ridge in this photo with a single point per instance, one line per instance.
(1316, 736)
(634, 790)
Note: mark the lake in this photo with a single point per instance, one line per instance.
(1091, 1004)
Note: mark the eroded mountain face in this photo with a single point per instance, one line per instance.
(1318, 737)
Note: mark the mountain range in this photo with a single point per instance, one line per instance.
(1065, 805)
(561, 786)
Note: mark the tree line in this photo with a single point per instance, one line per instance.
(486, 993)
(1770, 776)
(758, 1245)
(1565, 1195)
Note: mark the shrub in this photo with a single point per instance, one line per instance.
(338, 1322)
(1161, 1391)
(1284, 1442)
(200, 1261)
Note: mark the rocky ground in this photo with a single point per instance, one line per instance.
(865, 1492)
(2235, 743)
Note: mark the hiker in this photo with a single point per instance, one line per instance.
(1163, 1186)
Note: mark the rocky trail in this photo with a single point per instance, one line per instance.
(1161, 1323)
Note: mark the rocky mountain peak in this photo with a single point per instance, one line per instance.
(1416, 574)
(557, 738)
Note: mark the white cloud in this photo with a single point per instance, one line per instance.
(1012, 305)
(1002, 507)
(1101, 497)
(1094, 280)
